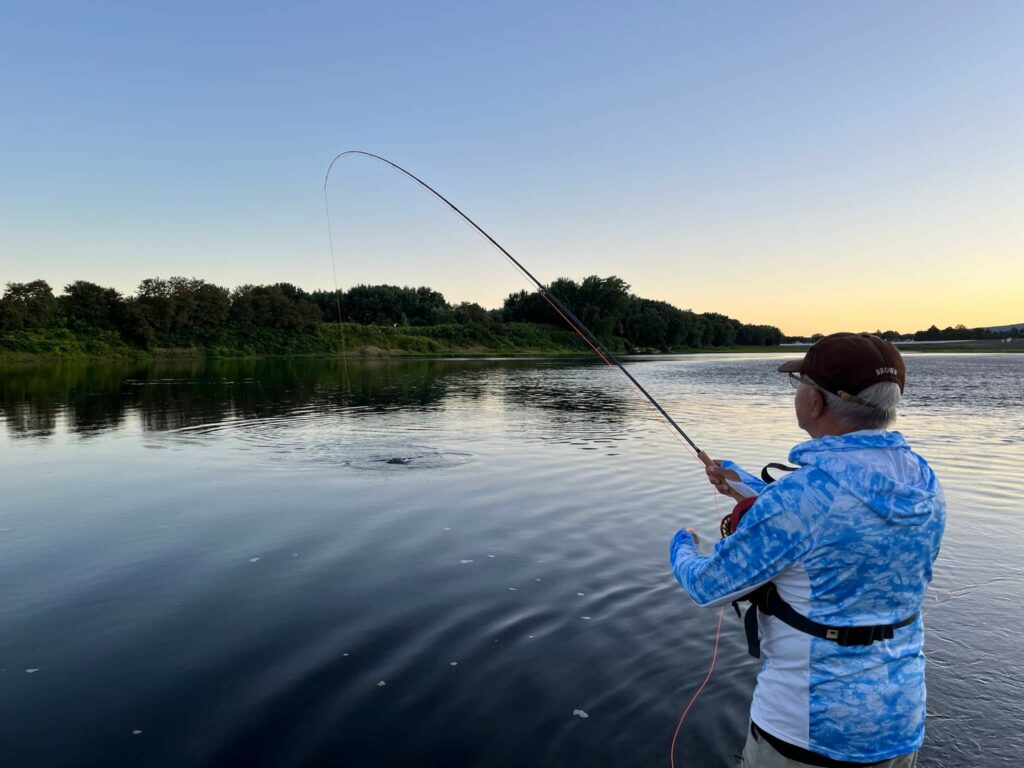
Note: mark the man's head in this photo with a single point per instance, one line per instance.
(847, 382)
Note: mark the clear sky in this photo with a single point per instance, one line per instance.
(816, 166)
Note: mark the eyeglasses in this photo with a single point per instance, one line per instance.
(796, 379)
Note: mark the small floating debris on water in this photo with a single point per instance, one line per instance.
(447, 529)
(453, 663)
(399, 460)
(254, 559)
(530, 636)
(536, 579)
(381, 684)
(585, 618)
(540, 561)
(512, 589)
(580, 594)
(344, 654)
(580, 714)
(491, 556)
(32, 670)
(295, 554)
(136, 732)
(465, 562)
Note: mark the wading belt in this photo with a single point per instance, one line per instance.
(801, 755)
(766, 600)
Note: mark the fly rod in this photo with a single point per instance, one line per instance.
(557, 304)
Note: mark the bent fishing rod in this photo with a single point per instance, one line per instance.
(557, 304)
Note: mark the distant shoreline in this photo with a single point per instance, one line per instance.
(353, 340)
(98, 353)
(367, 354)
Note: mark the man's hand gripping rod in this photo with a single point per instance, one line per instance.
(732, 488)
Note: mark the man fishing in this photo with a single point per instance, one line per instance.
(835, 558)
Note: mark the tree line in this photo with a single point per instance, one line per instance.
(605, 305)
(933, 333)
(177, 310)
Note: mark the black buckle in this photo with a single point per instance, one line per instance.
(847, 636)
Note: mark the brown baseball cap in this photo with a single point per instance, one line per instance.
(850, 362)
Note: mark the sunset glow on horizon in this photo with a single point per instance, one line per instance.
(814, 167)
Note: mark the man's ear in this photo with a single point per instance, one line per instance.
(817, 403)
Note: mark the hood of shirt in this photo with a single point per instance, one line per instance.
(878, 468)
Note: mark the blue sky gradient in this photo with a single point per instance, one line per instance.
(815, 166)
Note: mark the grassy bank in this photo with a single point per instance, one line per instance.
(359, 340)
(368, 341)
(470, 339)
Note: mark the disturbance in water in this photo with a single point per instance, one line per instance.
(418, 457)
(309, 438)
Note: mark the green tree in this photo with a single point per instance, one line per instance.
(87, 305)
(471, 312)
(177, 307)
(759, 335)
(529, 307)
(28, 305)
(268, 306)
(600, 303)
(198, 304)
(648, 323)
(722, 329)
(386, 305)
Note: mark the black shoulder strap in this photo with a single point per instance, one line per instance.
(775, 465)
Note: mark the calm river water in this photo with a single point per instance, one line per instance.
(303, 563)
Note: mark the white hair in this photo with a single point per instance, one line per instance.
(877, 409)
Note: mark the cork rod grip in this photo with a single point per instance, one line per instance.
(707, 461)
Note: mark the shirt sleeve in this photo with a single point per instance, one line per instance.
(771, 536)
(756, 484)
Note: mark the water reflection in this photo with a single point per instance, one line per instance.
(89, 398)
(489, 523)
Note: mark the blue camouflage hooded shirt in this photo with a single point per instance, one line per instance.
(848, 539)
